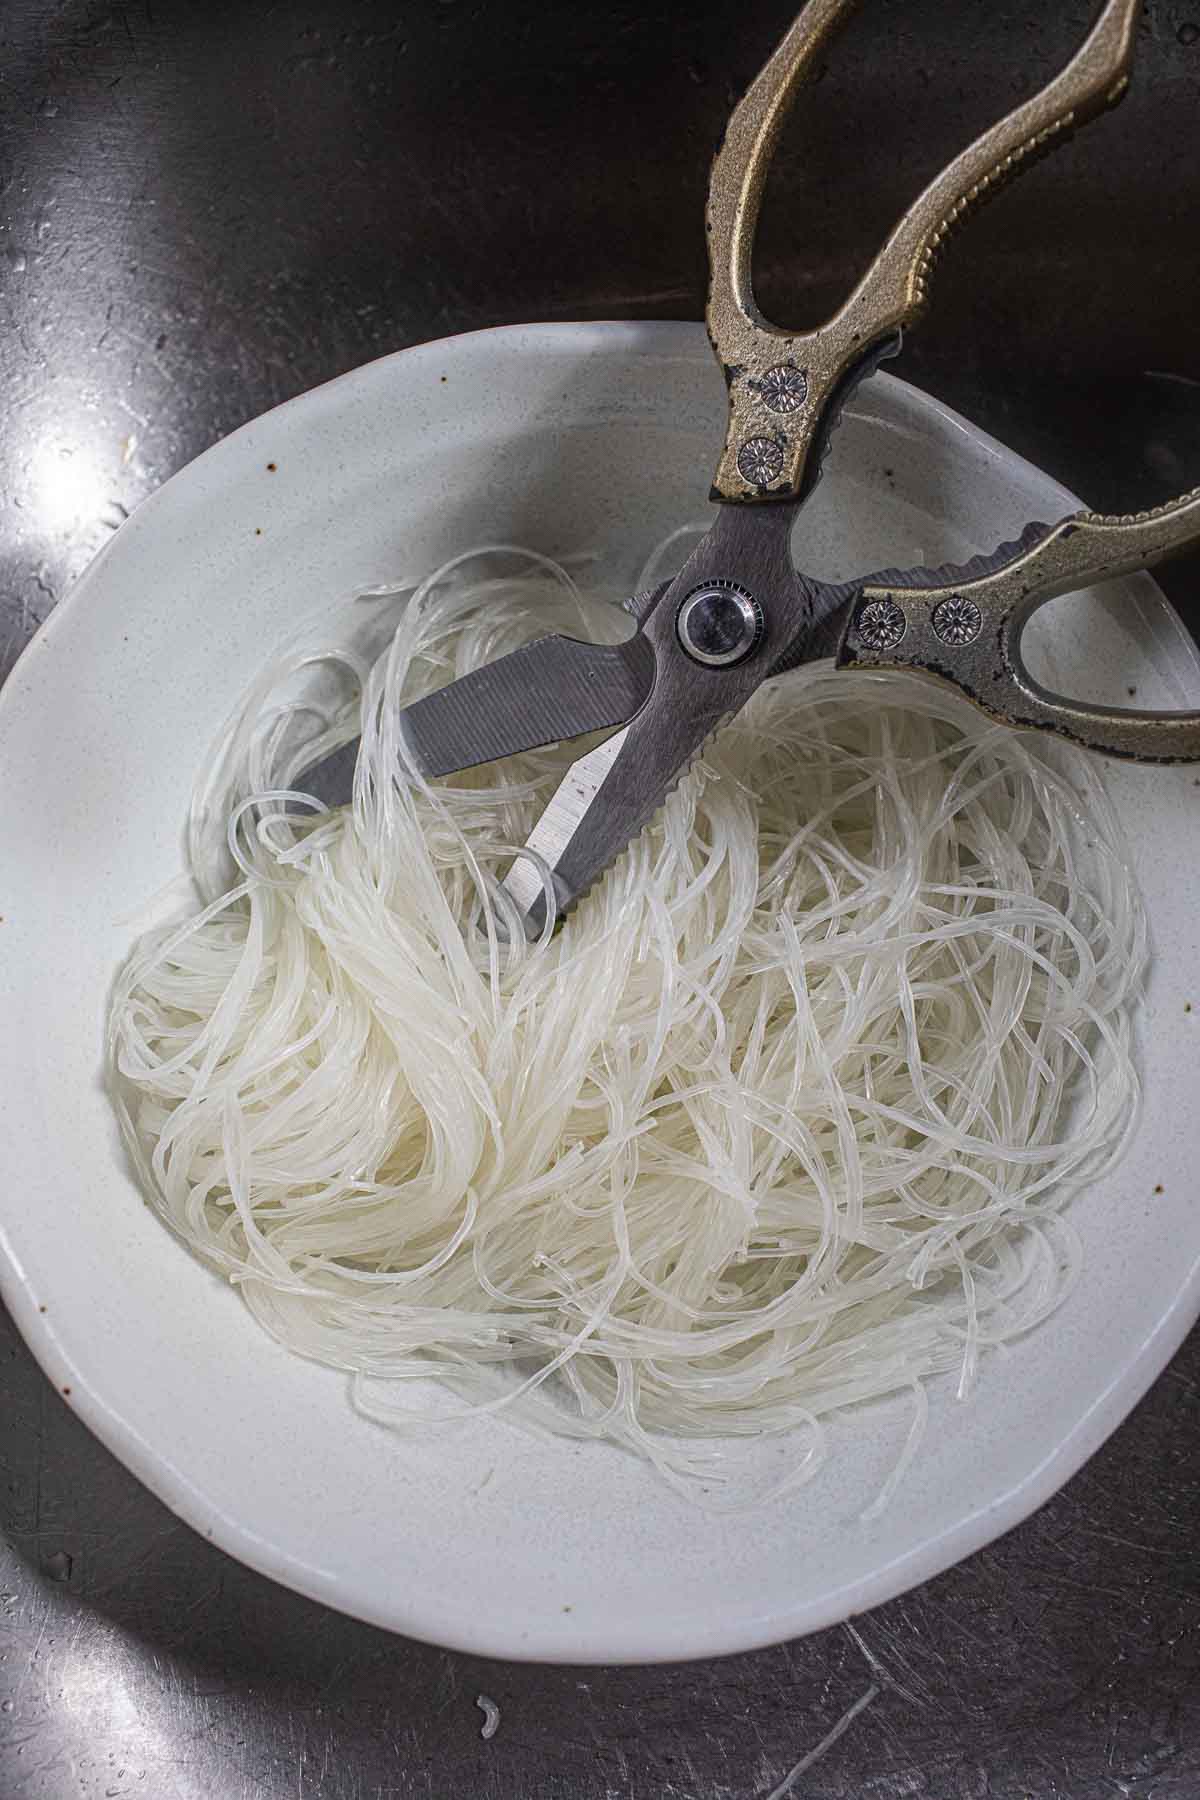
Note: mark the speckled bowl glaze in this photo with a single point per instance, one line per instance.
(563, 437)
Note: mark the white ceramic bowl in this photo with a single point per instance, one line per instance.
(563, 437)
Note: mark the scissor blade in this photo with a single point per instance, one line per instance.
(603, 802)
(609, 795)
(558, 687)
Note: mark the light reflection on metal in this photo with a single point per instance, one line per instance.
(68, 484)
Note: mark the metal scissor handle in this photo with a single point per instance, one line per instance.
(785, 388)
(965, 625)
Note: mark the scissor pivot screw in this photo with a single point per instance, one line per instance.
(719, 623)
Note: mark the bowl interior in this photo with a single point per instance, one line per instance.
(566, 438)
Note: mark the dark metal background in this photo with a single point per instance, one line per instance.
(209, 205)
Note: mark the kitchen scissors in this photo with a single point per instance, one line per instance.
(739, 612)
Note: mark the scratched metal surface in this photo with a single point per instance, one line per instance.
(206, 209)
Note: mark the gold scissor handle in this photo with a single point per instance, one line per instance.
(784, 387)
(965, 627)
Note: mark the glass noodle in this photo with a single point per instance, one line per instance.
(783, 1119)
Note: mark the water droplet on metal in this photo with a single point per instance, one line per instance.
(58, 1567)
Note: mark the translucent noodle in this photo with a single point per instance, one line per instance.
(783, 1119)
